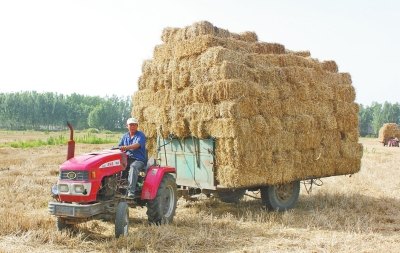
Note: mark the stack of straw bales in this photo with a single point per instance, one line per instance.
(276, 115)
(387, 131)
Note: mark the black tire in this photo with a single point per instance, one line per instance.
(232, 196)
(62, 225)
(161, 209)
(280, 197)
(122, 220)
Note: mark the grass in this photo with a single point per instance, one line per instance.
(86, 137)
(346, 214)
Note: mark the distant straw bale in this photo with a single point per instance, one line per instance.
(276, 115)
(387, 131)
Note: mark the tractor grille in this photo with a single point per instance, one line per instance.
(80, 174)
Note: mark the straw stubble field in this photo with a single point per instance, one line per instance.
(347, 214)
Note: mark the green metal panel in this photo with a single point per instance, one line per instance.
(193, 159)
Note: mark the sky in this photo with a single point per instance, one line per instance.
(97, 47)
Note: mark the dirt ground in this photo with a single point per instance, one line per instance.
(357, 213)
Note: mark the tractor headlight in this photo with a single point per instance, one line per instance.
(63, 187)
(79, 188)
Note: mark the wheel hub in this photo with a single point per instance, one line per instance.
(284, 192)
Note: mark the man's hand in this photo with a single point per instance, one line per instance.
(123, 148)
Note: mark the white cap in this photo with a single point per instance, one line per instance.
(132, 121)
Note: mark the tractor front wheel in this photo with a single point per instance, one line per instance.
(161, 209)
(61, 224)
(281, 197)
(122, 220)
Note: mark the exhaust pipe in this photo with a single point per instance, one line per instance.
(71, 142)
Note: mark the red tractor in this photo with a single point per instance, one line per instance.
(93, 186)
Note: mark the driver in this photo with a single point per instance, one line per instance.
(133, 143)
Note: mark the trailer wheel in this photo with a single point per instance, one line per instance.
(232, 196)
(161, 209)
(281, 197)
(122, 220)
(61, 224)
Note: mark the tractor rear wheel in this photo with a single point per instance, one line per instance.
(161, 209)
(122, 220)
(281, 197)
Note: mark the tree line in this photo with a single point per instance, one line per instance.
(51, 111)
(371, 118)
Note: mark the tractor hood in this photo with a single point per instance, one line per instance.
(96, 160)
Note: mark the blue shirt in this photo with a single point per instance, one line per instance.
(139, 153)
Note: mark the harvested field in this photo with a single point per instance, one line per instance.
(347, 214)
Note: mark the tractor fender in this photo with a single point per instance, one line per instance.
(152, 180)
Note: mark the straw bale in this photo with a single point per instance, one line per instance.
(223, 90)
(149, 82)
(322, 108)
(351, 149)
(280, 141)
(272, 75)
(288, 60)
(291, 107)
(259, 125)
(169, 34)
(198, 129)
(337, 78)
(343, 108)
(270, 108)
(300, 74)
(217, 55)
(223, 128)
(143, 97)
(147, 67)
(346, 123)
(300, 123)
(181, 98)
(348, 166)
(308, 140)
(330, 66)
(156, 114)
(163, 51)
(149, 129)
(137, 112)
(345, 78)
(180, 128)
(228, 175)
(321, 93)
(276, 115)
(239, 108)
(225, 71)
(180, 80)
(352, 135)
(387, 131)
(326, 122)
(345, 92)
(269, 48)
(274, 123)
(285, 91)
(198, 45)
(301, 91)
(200, 111)
(308, 161)
(245, 36)
(298, 53)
